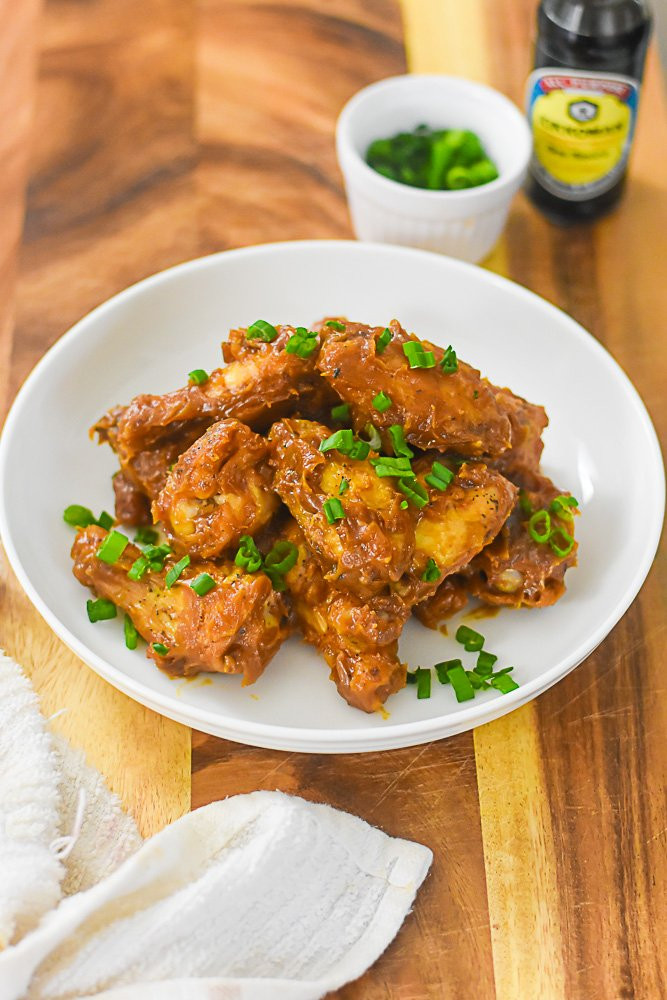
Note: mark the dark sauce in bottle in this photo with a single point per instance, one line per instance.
(583, 124)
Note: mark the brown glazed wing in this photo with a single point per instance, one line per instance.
(234, 629)
(455, 412)
(357, 637)
(528, 421)
(219, 489)
(372, 544)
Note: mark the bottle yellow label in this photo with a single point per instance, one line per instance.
(582, 129)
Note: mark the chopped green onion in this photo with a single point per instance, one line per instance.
(471, 641)
(503, 683)
(461, 683)
(359, 451)
(146, 536)
(138, 568)
(340, 440)
(449, 363)
(156, 555)
(536, 518)
(335, 325)
(279, 561)
(341, 412)
(432, 572)
(404, 505)
(383, 341)
(411, 676)
(525, 505)
(105, 520)
(385, 466)
(439, 477)
(560, 506)
(175, 571)
(442, 668)
(198, 376)
(374, 440)
(485, 662)
(333, 510)
(261, 330)
(100, 610)
(381, 402)
(414, 491)
(418, 356)
(248, 556)
(344, 487)
(561, 551)
(202, 584)
(398, 442)
(476, 680)
(475, 394)
(78, 516)
(302, 343)
(131, 634)
(160, 648)
(112, 547)
(423, 682)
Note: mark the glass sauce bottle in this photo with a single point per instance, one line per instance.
(582, 101)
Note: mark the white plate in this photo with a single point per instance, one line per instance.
(600, 445)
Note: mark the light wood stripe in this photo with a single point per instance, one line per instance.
(446, 36)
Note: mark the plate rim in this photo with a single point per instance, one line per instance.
(270, 734)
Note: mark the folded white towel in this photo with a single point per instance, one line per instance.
(258, 896)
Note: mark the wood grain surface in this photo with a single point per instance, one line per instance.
(177, 127)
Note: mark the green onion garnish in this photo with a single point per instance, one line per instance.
(461, 683)
(112, 547)
(386, 466)
(485, 662)
(333, 510)
(359, 451)
(138, 568)
(381, 402)
(335, 325)
(423, 682)
(414, 491)
(344, 487)
(78, 516)
(374, 440)
(471, 641)
(478, 682)
(248, 556)
(560, 550)
(383, 341)
(160, 648)
(538, 517)
(398, 442)
(175, 571)
(105, 520)
(439, 477)
(340, 413)
(202, 584)
(281, 559)
(100, 610)
(404, 505)
(432, 572)
(261, 330)
(525, 505)
(131, 634)
(198, 376)
(449, 363)
(411, 676)
(146, 536)
(302, 343)
(503, 683)
(561, 506)
(418, 356)
(442, 668)
(340, 440)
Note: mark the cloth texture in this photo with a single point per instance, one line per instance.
(257, 896)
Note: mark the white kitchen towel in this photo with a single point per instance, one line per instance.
(258, 896)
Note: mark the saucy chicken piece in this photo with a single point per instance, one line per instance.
(372, 543)
(357, 637)
(218, 490)
(450, 597)
(456, 523)
(456, 412)
(528, 421)
(132, 506)
(233, 629)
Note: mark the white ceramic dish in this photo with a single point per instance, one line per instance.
(148, 338)
(463, 224)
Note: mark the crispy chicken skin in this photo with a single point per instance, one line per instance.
(234, 629)
(373, 544)
(133, 507)
(455, 412)
(357, 637)
(218, 490)
(457, 523)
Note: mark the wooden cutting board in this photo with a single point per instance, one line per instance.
(154, 133)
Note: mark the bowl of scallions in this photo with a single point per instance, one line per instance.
(433, 162)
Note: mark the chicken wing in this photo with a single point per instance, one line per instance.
(528, 421)
(371, 543)
(219, 489)
(357, 637)
(233, 629)
(456, 412)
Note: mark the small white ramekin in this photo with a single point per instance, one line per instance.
(464, 224)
